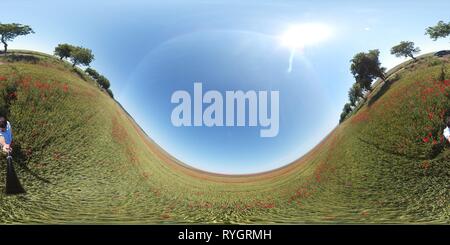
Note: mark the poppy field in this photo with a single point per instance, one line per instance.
(83, 159)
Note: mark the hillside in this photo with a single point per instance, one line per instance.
(82, 159)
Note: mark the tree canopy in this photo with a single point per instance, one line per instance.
(345, 111)
(93, 73)
(365, 67)
(440, 30)
(100, 79)
(10, 31)
(80, 55)
(355, 93)
(109, 91)
(406, 49)
(347, 108)
(103, 82)
(63, 50)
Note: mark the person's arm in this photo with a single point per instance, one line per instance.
(447, 135)
(6, 147)
(12, 137)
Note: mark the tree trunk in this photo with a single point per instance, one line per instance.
(5, 46)
(414, 58)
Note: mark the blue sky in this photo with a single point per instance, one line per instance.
(149, 49)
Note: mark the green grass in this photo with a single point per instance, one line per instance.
(82, 159)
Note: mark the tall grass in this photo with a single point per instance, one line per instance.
(83, 160)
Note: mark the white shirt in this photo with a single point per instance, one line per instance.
(447, 133)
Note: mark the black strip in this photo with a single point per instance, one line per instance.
(278, 233)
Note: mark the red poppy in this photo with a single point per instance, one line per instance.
(12, 95)
(65, 88)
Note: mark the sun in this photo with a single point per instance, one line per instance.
(296, 37)
(301, 35)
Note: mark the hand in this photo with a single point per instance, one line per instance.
(7, 148)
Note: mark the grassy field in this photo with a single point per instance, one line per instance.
(82, 159)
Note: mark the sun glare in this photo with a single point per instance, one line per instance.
(301, 35)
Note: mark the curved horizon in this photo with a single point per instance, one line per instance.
(323, 68)
(277, 171)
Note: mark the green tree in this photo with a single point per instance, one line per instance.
(406, 49)
(345, 111)
(63, 50)
(109, 91)
(93, 73)
(103, 82)
(10, 31)
(343, 116)
(347, 108)
(355, 93)
(440, 30)
(365, 67)
(80, 55)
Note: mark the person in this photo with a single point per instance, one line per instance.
(447, 130)
(6, 136)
